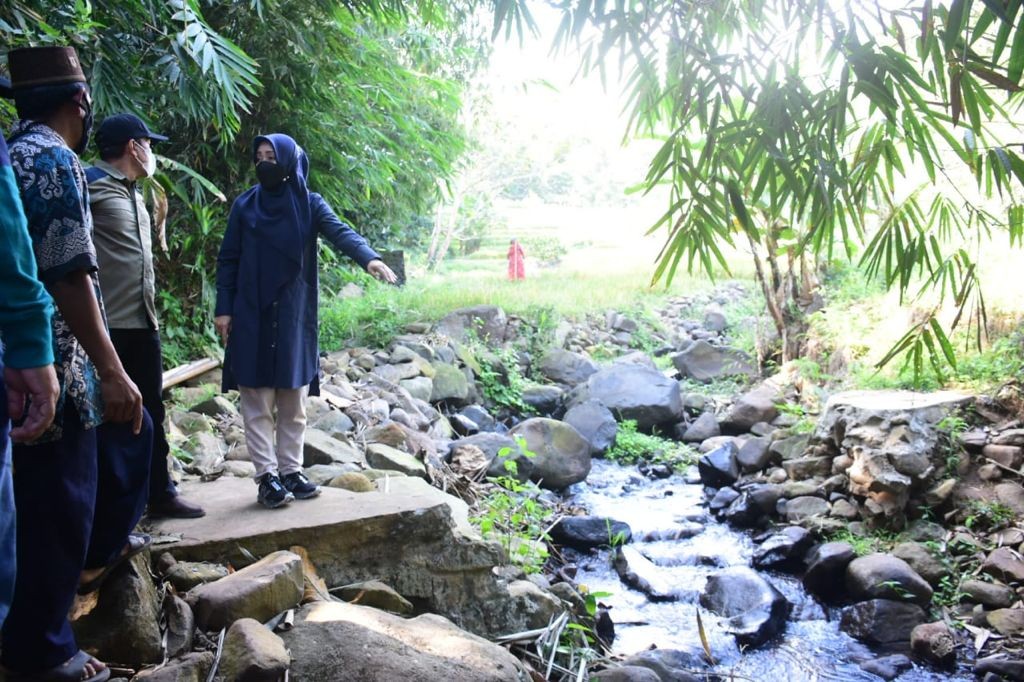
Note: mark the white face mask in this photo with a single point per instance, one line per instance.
(149, 162)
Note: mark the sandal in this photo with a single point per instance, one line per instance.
(71, 670)
(137, 542)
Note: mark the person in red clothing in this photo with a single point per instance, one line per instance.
(515, 260)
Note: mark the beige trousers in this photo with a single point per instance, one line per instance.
(258, 406)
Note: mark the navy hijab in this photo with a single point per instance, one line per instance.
(280, 218)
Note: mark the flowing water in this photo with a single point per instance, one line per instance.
(811, 648)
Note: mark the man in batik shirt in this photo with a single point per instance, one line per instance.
(76, 507)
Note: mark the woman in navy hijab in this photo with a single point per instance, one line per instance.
(267, 309)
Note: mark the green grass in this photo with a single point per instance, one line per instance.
(631, 447)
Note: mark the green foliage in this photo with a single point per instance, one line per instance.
(547, 249)
(951, 428)
(867, 543)
(632, 446)
(816, 150)
(804, 423)
(982, 515)
(371, 90)
(500, 379)
(512, 513)
(368, 320)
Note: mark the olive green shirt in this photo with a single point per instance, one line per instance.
(124, 250)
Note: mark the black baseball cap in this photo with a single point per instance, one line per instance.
(120, 128)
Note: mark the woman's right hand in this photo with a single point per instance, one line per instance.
(223, 325)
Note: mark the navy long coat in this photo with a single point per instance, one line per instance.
(267, 277)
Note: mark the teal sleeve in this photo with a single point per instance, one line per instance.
(25, 307)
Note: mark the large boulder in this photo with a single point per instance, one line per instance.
(704, 362)
(487, 322)
(892, 439)
(449, 384)
(260, 591)
(703, 427)
(252, 653)
(566, 367)
(883, 576)
(124, 625)
(498, 448)
(934, 643)
(719, 467)
(1004, 564)
(881, 621)
(595, 422)
(757, 405)
(337, 641)
(755, 609)
(826, 570)
(785, 549)
(319, 447)
(562, 454)
(634, 392)
(586, 532)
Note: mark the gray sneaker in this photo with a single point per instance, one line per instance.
(272, 494)
(300, 486)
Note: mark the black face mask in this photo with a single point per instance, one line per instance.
(270, 175)
(87, 121)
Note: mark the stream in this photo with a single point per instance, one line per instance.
(812, 646)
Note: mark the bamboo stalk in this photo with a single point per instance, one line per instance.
(173, 377)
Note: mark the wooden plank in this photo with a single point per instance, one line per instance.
(173, 377)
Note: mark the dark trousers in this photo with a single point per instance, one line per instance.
(55, 492)
(7, 515)
(139, 350)
(76, 502)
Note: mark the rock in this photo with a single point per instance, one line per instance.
(595, 422)
(790, 448)
(756, 611)
(543, 399)
(217, 406)
(181, 625)
(376, 594)
(240, 469)
(714, 319)
(805, 507)
(531, 607)
(640, 573)
(334, 421)
(939, 494)
(670, 665)
(722, 499)
(989, 595)
(322, 474)
(885, 577)
(784, 550)
(888, 667)
(185, 575)
(481, 417)
(626, 673)
(922, 561)
(892, 438)
(585, 532)
(1007, 622)
(997, 665)
(719, 467)
(125, 624)
(1004, 564)
(566, 367)
(321, 448)
(703, 427)
(757, 405)
(1011, 456)
(562, 454)
(881, 621)
(382, 456)
(421, 388)
(352, 481)
(802, 468)
(193, 667)
(260, 591)
(337, 641)
(191, 423)
(449, 384)
(498, 448)
(634, 392)
(704, 362)
(934, 644)
(826, 570)
(753, 506)
(487, 322)
(252, 653)
(1012, 495)
(753, 455)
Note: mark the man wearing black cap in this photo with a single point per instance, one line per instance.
(124, 249)
(67, 530)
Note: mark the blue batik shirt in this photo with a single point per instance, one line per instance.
(54, 193)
